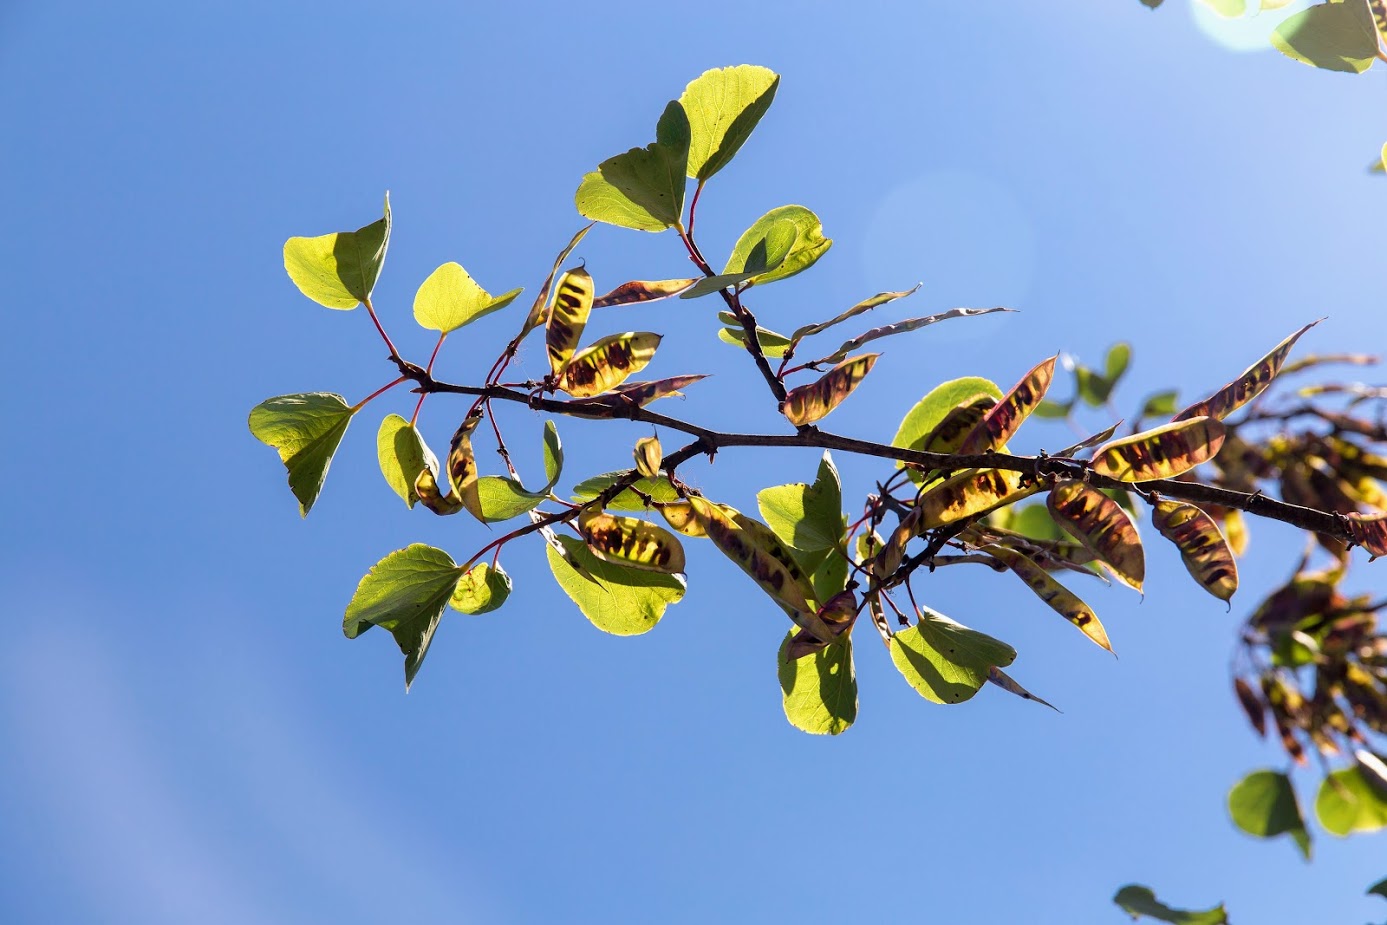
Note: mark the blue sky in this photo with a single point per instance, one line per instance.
(190, 738)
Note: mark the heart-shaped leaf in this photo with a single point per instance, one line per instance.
(339, 270)
(643, 188)
(306, 429)
(450, 298)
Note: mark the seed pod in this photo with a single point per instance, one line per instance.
(1003, 420)
(1061, 599)
(1235, 530)
(1162, 453)
(631, 395)
(568, 317)
(1101, 524)
(1246, 387)
(1003, 680)
(969, 493)
(1370, 532)
(462, 476)
(607, 363)
(1285, 703)
(888, 559)
(639, 290)
(648, 456)
(631, 542)
(812, 402)
(838, 615)
(1252, 705)
(680, 516)
(1205, 552)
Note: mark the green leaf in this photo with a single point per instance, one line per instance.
(339, 270)
(450, 298)
(711, 284)
(819, 691)
(808, 518)
(306, 429)
(829, 576)
(723, 106)
(1161, 404)
(1137, 901)
(944, 661)
(481, 589)
(1035, 521)
(658, 489)
(1347, 803)
(403, 455)
(1378, 889)
(1052, 409)
(772, 344)
(1228, 9)
(1118, 359)
(1264, 804)
(405, 593)
(930, 410)
(619, 600)
(503, 498)
(643, 188)
(762, 243)
(1091, 387)
(1337, 36)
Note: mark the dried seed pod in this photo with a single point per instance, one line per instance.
(648, 456)
(809, 403)
(607, 363)
(1202, 546)
(1003, 420)
(1061, 599)
(632, 542)
(1162, 453)
(1246, 387)
(568, 317)
(1101, 524)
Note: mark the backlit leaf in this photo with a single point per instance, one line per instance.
(618, 599)
(658, 489)
(501, 498)
(1347, 802)
(1158, 404)
(904, 327)
(866, 305)
(1000, 423)
(567, 318)
(339, 270)
(1202, 546)
(1063, 601)
(631, 542)
(1101, 525)
(481, 589)
(638, 291)
(943, 400)
(806, 517)
(405, 593)
(1264, 804)
(772, 344)
(809, 403)
(306, 429)
(539, 311)
(1337, 36)
(1003, 680)
(403, 455)
(1115, 364)
(1162, 453)
(1249, 385)
(765, 236)
(819, 690)
(711, 284)
(607, 363)
(723, 106)
(1137, 901)
(450, 298)
(944, 661)
(643, 188)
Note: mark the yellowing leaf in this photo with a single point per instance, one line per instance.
(809, 403)
(567, 318)
(607, 363)
(1246, 387)
(1101, 524)
(631, 542)
(1162, 453)
(1202, 546)
(339, 270)
(639, 290)
(1003, 420)
(1063, 601)
(450, 298)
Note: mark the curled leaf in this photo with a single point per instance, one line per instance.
(481, 589)
(1101, 524)
(1061, 599)
(1162, 453)
(1202, 546)
(785, 241)
(607, 363)
(1246, 387)
(903, 327)
(403, 455)
(629, 541)
(640, 290)
(567, 318)
(809, 403)
(1003, 420)
(462, 476)
(944, 661)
